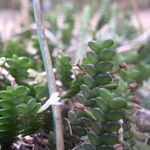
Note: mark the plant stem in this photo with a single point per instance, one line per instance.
(49, 72)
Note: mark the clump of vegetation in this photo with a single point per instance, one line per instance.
(105, 100)
(98, 95)
(63, 66)
(18, 114)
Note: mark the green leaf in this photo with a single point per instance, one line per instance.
(18, 99)
(111, 86)
(21, 90)
(106, 54)
(109, 138)
(90, 69)
(118, 103)
(24, 61)
(72, 116)
(95, 92)
(112, 126)
(123, 74)
(122, 86)
(91, 103)
(89, 81)
(31, 104)
(94, 46)
(83, 121)
(93, 138)
(103, 79)
(102, 104)
(5, 113)
(99, 114)
(89, 114)
(80, 113)
(11, 62)
(79, 131)
(5, 104)
(4, 127)
(81, 98)
(104, 93)
(36, 107)
(104, 66)
(4, 120)
(115, 114)
(22, 108)
(5, 95)
(92, 56)
(97, 128)
(99, 45)
(86, 91)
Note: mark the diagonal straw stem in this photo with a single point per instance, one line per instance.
(49, 72)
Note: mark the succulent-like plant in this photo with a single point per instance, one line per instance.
(68, 14)
(66, 34)
(126, 28)
(17, 67)
(63, 68)
(74, 88)
(13, 47)
(105, 13)
(52, 19)
(138, 62)
(66, 30)
(18, 114)
(104, 100)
